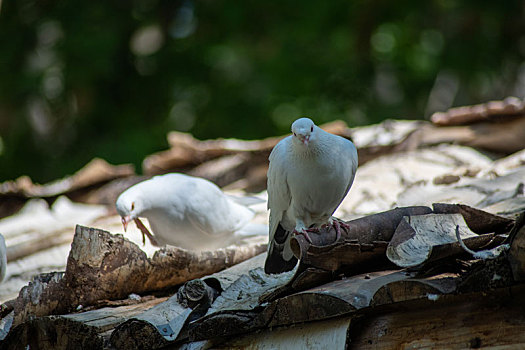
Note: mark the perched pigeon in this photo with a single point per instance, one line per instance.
(310, 173)
(3, 258)
(184, 211)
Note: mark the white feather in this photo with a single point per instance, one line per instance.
(306, 183)
(185, 211)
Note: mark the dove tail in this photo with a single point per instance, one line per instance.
(275, 262)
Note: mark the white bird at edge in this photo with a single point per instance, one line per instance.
(3, 258)
(185, 211)
(310, 173)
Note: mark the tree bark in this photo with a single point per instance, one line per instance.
(104, 266)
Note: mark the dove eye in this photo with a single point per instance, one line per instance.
(132, 205)
(312, 128)
(294, 134)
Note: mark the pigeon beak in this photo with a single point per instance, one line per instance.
(125, 221)
(305, 140)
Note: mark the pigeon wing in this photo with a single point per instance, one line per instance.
(279, 199)
(350, 156)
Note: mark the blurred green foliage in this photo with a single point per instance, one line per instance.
(81, 79)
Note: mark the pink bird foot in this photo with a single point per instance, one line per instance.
(337, 224)
(145, 232)
(304, 234)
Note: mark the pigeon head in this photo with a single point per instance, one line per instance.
(303, 130)
(128, 207)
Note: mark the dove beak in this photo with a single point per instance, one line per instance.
(305, 140)
(125, 221)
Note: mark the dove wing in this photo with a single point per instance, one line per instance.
(350, 154)
(279, 197)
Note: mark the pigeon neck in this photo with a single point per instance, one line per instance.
(307, 153)
(306, 150)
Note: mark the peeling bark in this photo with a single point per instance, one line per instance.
(86, 330)
(492, 110)
(364, 243)
(516, 253)
(105, 266)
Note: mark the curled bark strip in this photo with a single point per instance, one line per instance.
(363, 242)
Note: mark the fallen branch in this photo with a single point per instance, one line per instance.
(105, 266)
(510, 106)
(36, 244)
(186, 151)
(165, 323)
(86, 330)
(364, 243)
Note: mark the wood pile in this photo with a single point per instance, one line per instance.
(411, 258)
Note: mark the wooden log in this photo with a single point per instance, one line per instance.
(186, 151)
(416, 237)
(154, 328)
(390, 136)
(501, 195)
(348, 295)
(10, 204)
(235, 310)
(516, 254)
(363, 247)
(484, 275)
(505, 137)
(222, 280)
(494, 319)
(108, 193)
(330, 300)
(39, 227)
(97, 171)
(477, 220)
(37, 244)
(164, 324)
(225, 324)
(446, 322)
(370, 293)
(247, 168)
(492, 110)
(314, 335)
(364, 242)
(105, 266)
(86, 330)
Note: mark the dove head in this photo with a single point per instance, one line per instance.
(303, 130)
(128, 207)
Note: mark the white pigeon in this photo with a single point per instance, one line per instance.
(3, 258)
(310, 173)
(185, 211)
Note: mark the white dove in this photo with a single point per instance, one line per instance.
(3, 258)
(185, 211)
(309, 175)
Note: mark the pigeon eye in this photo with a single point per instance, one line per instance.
(132, 205)
(312, 128)
(294, 134)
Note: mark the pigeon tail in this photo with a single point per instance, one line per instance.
(275, 262)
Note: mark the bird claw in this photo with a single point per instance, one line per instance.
(145, 232)
(337, 224)
(304, 233)
(313, 229)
